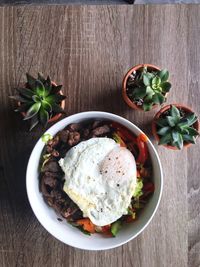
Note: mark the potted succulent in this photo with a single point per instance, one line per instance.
(40, 100)
(145, 86)
(175, 126)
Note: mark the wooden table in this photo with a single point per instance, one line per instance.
(94, 2)
(63, 2)
(89, 49)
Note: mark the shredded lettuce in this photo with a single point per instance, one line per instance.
(115, 227)
(46, 137)
(117, 138)
(138, 205)
(132, 213)
(46, 158)
(138, 189)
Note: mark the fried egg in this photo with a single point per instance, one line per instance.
(100, 177)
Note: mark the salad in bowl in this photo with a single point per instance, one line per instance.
(94, 180)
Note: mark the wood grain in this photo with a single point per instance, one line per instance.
(88, 49)
(94, 2)
(60, 2)
(193, 166)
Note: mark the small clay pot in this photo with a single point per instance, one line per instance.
(158, 115)
(128, 101)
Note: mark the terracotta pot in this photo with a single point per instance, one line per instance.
(160, 112)
(128, 101)
(57, 116)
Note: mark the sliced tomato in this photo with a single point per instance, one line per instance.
(129, 219)
(138, 173)
(148, 187)
(143, 150)
(140, 141)
(122, 143)
(124, 133)
(106, 228)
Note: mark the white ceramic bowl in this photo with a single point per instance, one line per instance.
(64, 231)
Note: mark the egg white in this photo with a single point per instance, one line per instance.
(100, 177)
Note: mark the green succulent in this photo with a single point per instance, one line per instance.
(40, 100)
(148, 88)
(176, 128)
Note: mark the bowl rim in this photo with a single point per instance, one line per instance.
(58, 126)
